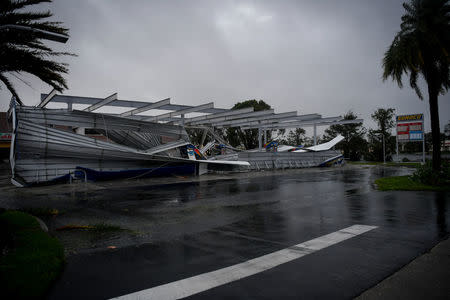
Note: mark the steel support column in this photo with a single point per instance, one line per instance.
(259, 138)
(315, 134)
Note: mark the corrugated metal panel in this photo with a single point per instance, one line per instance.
(77, 118)
(138, 140)
(285, 160)
(41, 141)
(41, 170)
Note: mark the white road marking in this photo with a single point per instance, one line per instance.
(200, 283)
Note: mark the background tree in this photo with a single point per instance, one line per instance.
(196, 135)
(415, 147)
(447, 130)
(309, 141)
(280, 136)
(22, 51)
(385, 121)
(296, 137)
(429, 141)
(422, 47)
(248, 138)
(354, 145)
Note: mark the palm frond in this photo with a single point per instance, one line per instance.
(413, 83)
(24, 18)
(12, 5)
(10, 87)
(23, 51)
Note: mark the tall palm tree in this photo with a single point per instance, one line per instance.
(21, 46)
(422, 47)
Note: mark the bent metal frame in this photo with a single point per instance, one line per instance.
(212, 117)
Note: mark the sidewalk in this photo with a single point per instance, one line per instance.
(426, 277)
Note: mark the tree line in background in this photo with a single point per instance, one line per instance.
(359, 142)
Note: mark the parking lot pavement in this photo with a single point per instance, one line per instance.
(426, 277)
(280, 235)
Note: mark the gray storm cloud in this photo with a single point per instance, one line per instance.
(310, 56)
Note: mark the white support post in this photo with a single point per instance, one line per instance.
(47, 99)
(202, 142)
(396, 145)
(265, 136)
(259, 139)
(423, 149)
(12, 158)
(423, 139)
(315, 134)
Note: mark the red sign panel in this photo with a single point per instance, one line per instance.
(409, 131)
(5, 136)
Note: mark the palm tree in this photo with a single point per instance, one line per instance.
(421, 47)
(21, 46)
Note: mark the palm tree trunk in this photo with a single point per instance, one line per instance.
(435, 131)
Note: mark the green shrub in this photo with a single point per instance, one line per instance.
(426, 175)
(33, 259)
(406, 183)
(405, 159)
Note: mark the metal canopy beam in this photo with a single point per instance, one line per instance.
(231, 112)
(145, 108)
(294, 124)
(306, 124)
(99, 104)
(47, 99)
(123, 103)
(233, 117)
(181, 112)
(342, 122)
(273, 118)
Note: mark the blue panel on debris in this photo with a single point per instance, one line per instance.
(93, 175)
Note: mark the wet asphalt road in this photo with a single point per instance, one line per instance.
(191, 228)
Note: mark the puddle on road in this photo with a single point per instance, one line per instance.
(148, 214)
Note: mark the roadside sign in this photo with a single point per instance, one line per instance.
(409, 118)
(5, 136)
(410, 128)
(412, 131)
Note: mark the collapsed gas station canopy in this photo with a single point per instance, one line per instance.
(245, 118)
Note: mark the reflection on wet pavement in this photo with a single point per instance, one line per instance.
(267, 206)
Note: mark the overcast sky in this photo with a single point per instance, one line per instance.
(310, 56)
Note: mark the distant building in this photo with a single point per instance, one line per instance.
(447, 145)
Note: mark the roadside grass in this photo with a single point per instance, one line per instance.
(30, 259)
(405, 183)
(42, 211)
(388, 164)
(99, 227)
